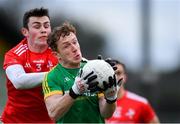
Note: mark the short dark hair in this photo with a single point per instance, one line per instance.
(60, 31)
(120, 63)
(37, 12)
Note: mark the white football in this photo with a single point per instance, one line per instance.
(101, 68)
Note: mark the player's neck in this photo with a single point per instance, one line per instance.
(121, 92)
(38, 49)
(70, 65)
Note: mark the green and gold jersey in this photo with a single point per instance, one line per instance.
(86, 107)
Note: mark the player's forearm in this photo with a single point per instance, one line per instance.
(58, 105)
(106, 109)
(22, 80)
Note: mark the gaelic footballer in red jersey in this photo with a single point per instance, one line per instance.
(26, 65)
(131, 108)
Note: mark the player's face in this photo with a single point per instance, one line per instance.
(120, 72)
(38, 30)
(69, 51)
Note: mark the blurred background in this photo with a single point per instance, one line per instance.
(143, 34)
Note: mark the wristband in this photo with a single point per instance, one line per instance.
(110, 101)
(72, 94)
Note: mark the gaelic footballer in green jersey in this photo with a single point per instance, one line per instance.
(65, 91)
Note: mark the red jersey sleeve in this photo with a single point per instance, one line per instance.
(10, 59)
(14, 56)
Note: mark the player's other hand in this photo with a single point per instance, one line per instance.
(82, 84)
(108, 60)
(110, 89)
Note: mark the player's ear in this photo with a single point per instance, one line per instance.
(24, 31)
(57, 55)
(125, 77)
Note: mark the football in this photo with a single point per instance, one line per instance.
(101, 68)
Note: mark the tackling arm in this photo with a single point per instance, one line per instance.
(22, 80)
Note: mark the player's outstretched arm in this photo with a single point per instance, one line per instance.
(22, 80)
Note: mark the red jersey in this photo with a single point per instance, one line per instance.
(132, 108)
(27, 105)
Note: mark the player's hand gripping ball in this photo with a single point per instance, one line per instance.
(102, 69)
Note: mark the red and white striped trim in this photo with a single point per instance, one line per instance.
(21, 49)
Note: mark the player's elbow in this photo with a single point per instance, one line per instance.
(18, 85)
(107, 115)
(53, 115)
(19, 82)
